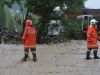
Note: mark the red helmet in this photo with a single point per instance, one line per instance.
(29, 22)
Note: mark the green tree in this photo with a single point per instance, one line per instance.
(9, 21)
(2, 17)
(45, 10)
(5, 17)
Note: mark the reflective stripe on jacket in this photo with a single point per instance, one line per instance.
(92, 37)
(29, 37)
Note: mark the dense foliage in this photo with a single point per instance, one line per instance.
(6, 19)
(45, 10)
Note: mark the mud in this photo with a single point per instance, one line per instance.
(54, 59)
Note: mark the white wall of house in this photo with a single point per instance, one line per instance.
(59, 28)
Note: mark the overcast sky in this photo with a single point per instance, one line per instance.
(95, 4)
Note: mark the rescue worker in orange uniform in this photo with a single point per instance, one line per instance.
(92, 40)
(29, 40)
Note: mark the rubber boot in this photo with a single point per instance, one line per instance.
(88, 55)
(34, 57)
(25, 57)
(95, 55)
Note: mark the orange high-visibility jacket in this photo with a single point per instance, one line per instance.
(92, 37)
(29, 37)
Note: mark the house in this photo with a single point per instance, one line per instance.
(94, 12)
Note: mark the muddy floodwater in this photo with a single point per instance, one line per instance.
(54, 59)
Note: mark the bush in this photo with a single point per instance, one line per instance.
(99, 33)
(62, 36)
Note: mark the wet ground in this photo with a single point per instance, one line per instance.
(54, 59)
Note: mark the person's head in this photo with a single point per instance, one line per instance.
(93, 22)
(29, 22)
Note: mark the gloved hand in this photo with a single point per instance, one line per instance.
(90, 40)
(23, 41)
(98, 38)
